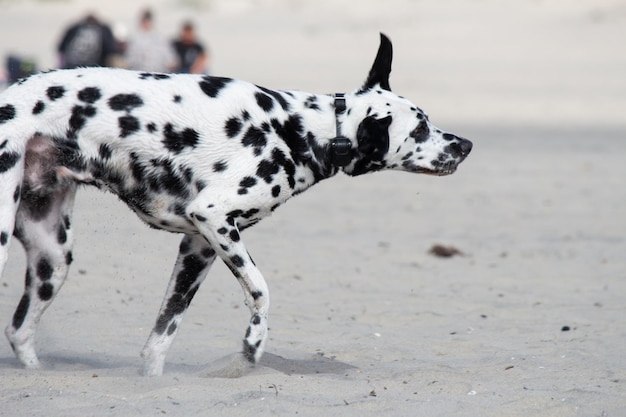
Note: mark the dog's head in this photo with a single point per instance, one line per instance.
(393, 133)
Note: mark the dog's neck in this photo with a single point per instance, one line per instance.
(307, 113)
(333, 147)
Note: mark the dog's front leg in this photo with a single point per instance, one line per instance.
(195, 257)
(224, 237)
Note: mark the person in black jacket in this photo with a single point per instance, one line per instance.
(87, 43)
(192, 56)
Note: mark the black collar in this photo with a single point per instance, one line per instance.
(340, 146)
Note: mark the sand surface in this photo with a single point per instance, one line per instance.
(528, 321)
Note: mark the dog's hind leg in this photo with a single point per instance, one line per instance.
(11, 173)
(195, 258)
(43, 227)
(11, 176)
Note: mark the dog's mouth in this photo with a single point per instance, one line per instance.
(437, 172)
(439, 169)
(445, 169)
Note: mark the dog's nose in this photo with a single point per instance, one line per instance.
(466, 146)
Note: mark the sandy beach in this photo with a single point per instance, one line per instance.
(528, 320)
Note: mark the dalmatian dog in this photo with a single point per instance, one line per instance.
(203, 156)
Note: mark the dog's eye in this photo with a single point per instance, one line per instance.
(421, 132)
(421, 129)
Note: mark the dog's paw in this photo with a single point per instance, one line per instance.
(254, 342)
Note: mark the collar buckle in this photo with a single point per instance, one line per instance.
(340, 146)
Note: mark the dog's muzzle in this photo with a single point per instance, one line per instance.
(455, 153)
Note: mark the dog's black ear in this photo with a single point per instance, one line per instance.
(379, 74)
(373, 137)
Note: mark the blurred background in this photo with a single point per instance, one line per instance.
(539, 62)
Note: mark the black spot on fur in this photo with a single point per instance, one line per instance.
(289, 167)
(128, 125)
(177, 141)
(125, 102)
(105, 151)
(232, 127)
(4, 144)
(17, 193)
(4, 238)
(233, 214)
(255, 138)
(278, 97)
(46, 291)
(211, 86)
(171, 329)
(246, 183)
(266, 170)
(184, 246)
(291, 131)
(184, 290)
(256, 319)
(153, 75)
(192, 266)
(175, 305)
(7, 113)
(200, 218)
(264, 101)
(20, 312)
(39, 107)
(234, 235)
(61, 234)
(69, 258)
(55, 93)
(222, 230)
(44, 269)
(311, 103)
(8, 160)
(79, 118)
(151, 127)
(169, 179)
(237, 261)
(421, 133)
(89, 95)
(250, 213)
(177, 98)
(275, 191)
(220, 166)
(138, 169)
(36, 205)
(249, 351)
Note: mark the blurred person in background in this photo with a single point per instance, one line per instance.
(87, 43)
(192, 55)
(147, 50)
